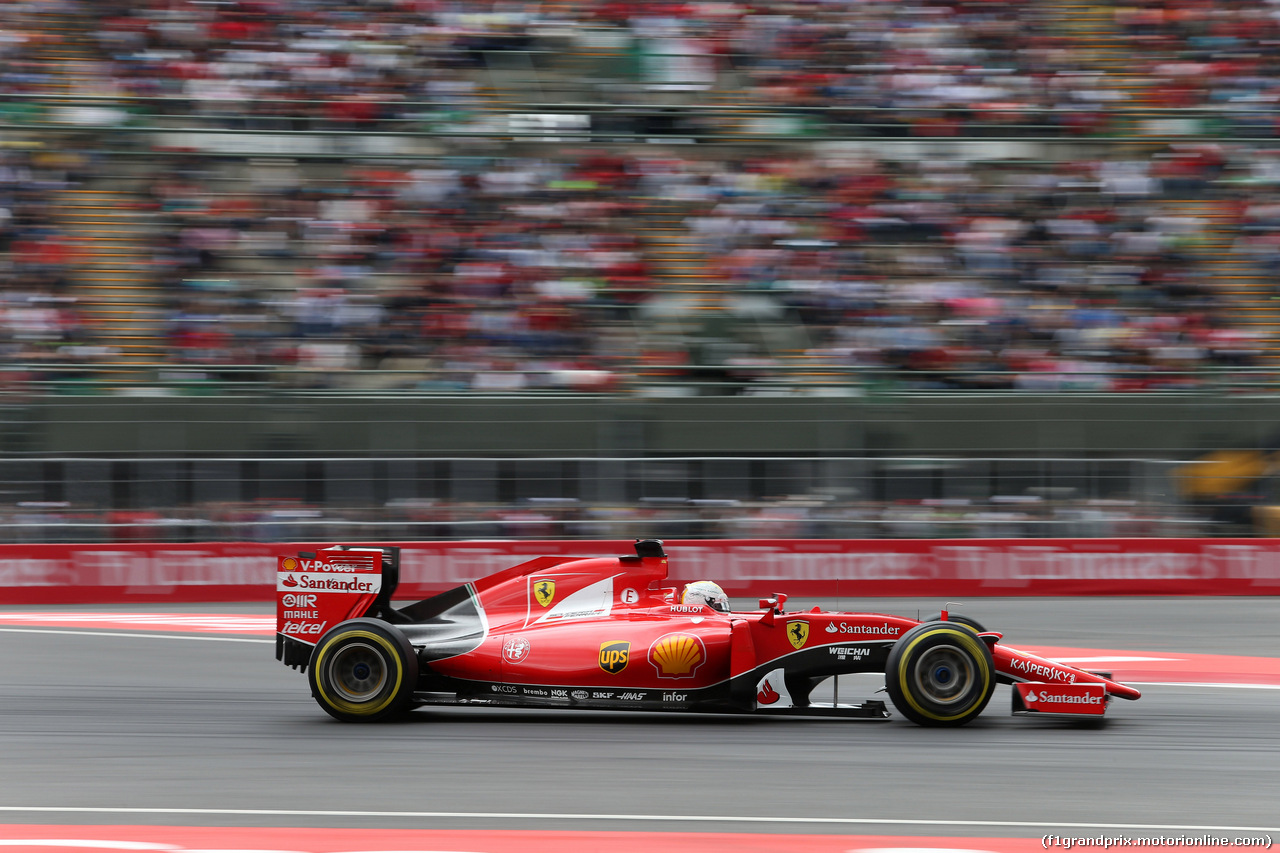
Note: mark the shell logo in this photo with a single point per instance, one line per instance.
(677, 655)
(289, 564)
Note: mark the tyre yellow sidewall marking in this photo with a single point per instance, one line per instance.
(351, 707)
(964, 637)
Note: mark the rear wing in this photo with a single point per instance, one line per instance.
(316, 590)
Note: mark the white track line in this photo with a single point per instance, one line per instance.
(211, 620)
(543, 816)
(95, 844)
(212, 638)
(1110, 659)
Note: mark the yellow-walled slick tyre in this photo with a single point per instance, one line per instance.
(363, 671)
(959, 620)
(940, 674)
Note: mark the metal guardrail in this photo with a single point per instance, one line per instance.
(637, 122)
(689, 527)
(757, 378)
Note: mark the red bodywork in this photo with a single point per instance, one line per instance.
(609, 632)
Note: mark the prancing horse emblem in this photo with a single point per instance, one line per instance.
(798, 633)
(544, 591)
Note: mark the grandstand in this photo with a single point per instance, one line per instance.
(639, 201)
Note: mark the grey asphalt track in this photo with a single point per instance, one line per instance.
(132, 724)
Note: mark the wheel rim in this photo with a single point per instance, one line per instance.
(357, 672)
(943, 675)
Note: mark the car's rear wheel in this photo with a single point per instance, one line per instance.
(363, 671)
(940, 674)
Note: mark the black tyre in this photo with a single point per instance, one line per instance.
(363, 671)
(959, 620)
(940, 674)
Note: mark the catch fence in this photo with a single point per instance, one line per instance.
(70, 499)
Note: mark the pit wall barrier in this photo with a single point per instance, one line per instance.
(836, 568)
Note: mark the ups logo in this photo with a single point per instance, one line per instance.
(614, 656)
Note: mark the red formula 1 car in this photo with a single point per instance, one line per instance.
(607, 633)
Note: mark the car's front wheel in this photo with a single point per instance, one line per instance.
(959, 619)
(940, 674)
(363, 671)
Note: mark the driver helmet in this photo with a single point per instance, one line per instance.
(708, 593)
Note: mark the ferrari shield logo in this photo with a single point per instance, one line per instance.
(544, 591)
(798, 633)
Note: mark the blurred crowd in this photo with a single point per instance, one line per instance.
(1080, 274)
(511, 271)
(39, 312)
(784, 265)
(484, 277)
(878, 62)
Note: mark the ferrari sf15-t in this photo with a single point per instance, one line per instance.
(608, 633)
